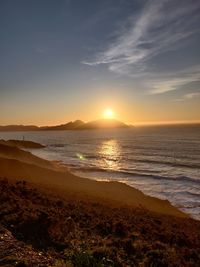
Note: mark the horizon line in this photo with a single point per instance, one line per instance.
(142, 123)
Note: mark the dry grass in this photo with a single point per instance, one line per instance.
(89, 233)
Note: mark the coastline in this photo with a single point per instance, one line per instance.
(50, 217)
(51, 176)
(151, 160)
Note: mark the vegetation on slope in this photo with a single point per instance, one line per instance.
(39, 229)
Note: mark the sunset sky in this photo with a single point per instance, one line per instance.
(62, 60)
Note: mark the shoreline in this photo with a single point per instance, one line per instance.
(50, 175)
(94, 176)
(50, 217)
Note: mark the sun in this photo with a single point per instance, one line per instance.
(108, 113)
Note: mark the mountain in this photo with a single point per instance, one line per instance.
(102, 124)
(72, 125)
(15, 128)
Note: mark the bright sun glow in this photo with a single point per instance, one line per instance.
(108, 114)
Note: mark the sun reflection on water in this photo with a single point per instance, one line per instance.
(109, 153)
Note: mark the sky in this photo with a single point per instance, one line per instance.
(62, 60)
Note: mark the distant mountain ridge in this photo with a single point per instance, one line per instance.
(103, 123)
(19, 128)
(72, 125)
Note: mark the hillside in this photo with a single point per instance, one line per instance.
(40, 229)
(72, 125)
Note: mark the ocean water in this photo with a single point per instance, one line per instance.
(161, 161)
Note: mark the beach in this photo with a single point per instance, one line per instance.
(66, 218)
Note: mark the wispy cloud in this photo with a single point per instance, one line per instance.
(160, 27)
(188, 97)
(170, 81)
(192, 95)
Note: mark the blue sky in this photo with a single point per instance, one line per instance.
(63, 60)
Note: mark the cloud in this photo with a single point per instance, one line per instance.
(166, 82)
(160, 27)
(192, 95)
(188, 96)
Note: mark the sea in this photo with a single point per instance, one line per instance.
(161, 161)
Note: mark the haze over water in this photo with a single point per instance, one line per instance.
(162, 161)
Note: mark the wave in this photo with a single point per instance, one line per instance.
(173, 164)
(194, 205)
(167, 161)
(137, 174)
(160, 162)
(57, 145)
(190, 194)
(191, 165)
